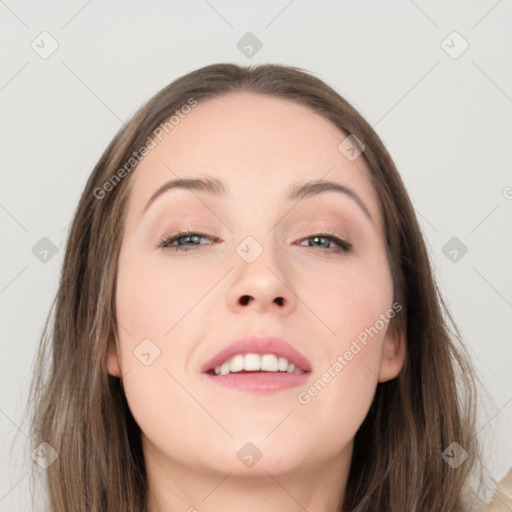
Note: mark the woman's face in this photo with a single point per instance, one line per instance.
(180, 305)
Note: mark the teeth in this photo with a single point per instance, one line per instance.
(252, 362)
(224, 368)
(255, 362)
(237, 363)
(282, 364)
(269, 363)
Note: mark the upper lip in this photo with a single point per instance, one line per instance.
(259, 345)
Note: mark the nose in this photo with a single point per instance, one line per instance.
(261, 285)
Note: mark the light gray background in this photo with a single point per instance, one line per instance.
(446, 121)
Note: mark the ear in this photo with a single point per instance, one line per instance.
(113, 359)
(393, 352)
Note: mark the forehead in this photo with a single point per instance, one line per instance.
(259, 145)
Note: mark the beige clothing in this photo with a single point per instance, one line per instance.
(502, 499)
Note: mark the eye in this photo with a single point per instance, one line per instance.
(186, 241)
(339, 244)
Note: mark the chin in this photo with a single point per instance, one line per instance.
(259, 452)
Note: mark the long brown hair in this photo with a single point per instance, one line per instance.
(81, 411)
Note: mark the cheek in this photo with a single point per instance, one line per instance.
(355, 306)
(158, 308)
(151, 301)
(152, 295)
(348, 299)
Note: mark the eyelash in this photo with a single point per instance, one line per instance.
(342, 245)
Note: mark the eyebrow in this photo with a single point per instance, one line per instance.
(216, 187)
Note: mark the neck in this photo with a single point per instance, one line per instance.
(175, 487)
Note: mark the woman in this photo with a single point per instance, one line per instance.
(247, 317)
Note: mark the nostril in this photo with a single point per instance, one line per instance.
(244, 300)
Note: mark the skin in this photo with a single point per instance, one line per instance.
(188, 304)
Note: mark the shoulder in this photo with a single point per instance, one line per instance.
(502, 499)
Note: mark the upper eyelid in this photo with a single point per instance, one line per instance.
(310, 233)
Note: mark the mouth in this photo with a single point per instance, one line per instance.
(258, 364)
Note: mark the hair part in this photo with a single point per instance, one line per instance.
(81, 410)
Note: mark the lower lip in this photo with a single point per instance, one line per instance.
(260, 382)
